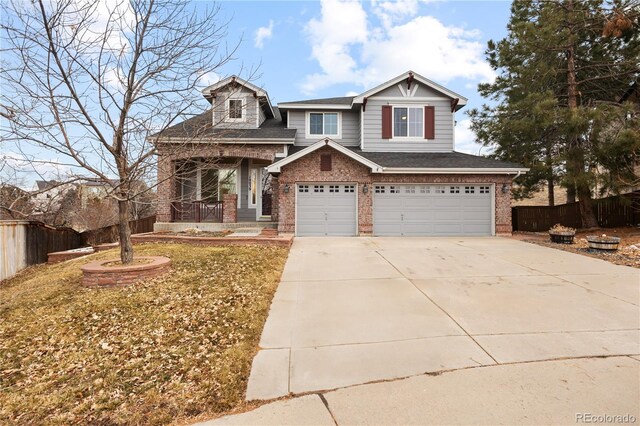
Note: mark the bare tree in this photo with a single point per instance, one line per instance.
(93, 81)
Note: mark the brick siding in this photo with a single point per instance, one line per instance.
(168, 154)
(347, 170)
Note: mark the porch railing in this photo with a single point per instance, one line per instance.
(196, 211)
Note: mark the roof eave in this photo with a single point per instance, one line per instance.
(455, 170)
(286, 106)
(418, 77)
(277, 166)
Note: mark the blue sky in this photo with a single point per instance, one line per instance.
(314, 49)
(309, 49)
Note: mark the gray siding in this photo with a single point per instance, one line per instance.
(220, 113)
(373, 128)
(423, 91)
(350, 127)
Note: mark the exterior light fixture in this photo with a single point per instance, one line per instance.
(365, 188)
(286, 189)
(505, 188)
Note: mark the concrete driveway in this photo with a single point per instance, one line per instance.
(356, 310)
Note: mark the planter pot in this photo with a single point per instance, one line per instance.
(603, 243)
(562, 237)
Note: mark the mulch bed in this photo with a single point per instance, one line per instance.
(628, 253)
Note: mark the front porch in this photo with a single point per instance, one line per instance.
(214, 194)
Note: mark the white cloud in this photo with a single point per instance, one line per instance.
(207, 79)
(351, 93)
(262, 34)
(392, 11)
(466, 139)
(342, 24)
(350, 50)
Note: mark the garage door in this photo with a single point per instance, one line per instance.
(432, 210)
(325, 209)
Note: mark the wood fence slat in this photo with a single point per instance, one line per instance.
(611, 212)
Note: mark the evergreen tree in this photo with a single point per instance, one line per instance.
(561, 71)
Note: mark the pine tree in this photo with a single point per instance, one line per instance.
(561, 71)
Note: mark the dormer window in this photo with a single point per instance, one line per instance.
(321, 124)
(235, 110)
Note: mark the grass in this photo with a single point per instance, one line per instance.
(164, 350)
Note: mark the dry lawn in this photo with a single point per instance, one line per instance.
(165, 350)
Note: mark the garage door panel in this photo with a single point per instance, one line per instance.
(439, 210)
(330, 212)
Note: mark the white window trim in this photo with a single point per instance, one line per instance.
(393, 127)
(227, 103)
(308, 134)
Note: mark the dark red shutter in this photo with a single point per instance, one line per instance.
(325, 163)
(386, 122)
(429, 122)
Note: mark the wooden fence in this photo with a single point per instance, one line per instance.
(610, 212)
(25, 243)
(109, 234)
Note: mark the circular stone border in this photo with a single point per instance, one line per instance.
(96, 275)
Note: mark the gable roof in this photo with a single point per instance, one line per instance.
(416, 77)
(208, 91)
(277, 166)
(347, 102)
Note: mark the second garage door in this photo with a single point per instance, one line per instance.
(432, 210)
(326, 209)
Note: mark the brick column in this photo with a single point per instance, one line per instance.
(275, 190)
(230, 208)
(164, 189)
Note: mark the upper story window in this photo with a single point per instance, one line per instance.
(235, 110)
(323, 124)
(408, 122)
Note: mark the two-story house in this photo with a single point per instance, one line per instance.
(381, 163)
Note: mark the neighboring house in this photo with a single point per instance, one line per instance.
(48, 194)
(380, 163)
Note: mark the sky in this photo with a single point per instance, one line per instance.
(309, 49)
(299, 50)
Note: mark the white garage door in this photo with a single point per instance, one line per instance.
(432, 210)
(326, 209)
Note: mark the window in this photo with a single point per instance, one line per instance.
(394, 189)
(469, 190)
(454, 190)
(379, 189)
(253, 187)
(235, 109)
(425, 190)
(318, 188)
(215, 183)
(334, 188)
(349, 188)
(410, 190)
(408, 122)
(484, 189)
(439, 189)
(324, 124)
(303, 188)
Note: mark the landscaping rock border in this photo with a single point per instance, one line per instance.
(96, 275)
(150, 237)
